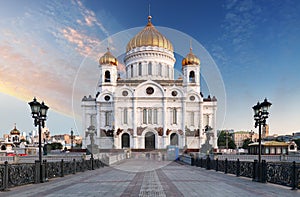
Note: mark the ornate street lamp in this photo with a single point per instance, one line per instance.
(72, 133)
(260, 116)
(39, 114)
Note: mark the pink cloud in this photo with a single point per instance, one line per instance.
(84, 43)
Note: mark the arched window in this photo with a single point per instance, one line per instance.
(144, 116)
(107, 118)
(174, 139)
(107, 76)
(155, 116)
(174, 116)
(168, 71)
(150, 68)
(192, 118)
(131, 70)
(3, 147)
(125, 116)
(160, 69)
(140, 69)
(150, 116)
(192, 77)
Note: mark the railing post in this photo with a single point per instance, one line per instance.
(294, 177)
(5, 176)
(192, 161)
(92, 163)
(226, 166)
(254, 175)
(74, 165)
(83, 165)
(217, 165)
(62, 168)
(201, 162)
(264, 171)
(46, 170)
(208, 163)
(238, 164)
(37, 172)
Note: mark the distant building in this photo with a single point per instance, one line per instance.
(240, 136)
(269, 148)
(265, 131)
(65, 140)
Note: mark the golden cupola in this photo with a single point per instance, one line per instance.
(15, 131)
(190, 59)
(149, 36)
(108, 58)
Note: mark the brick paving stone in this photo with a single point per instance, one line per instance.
(151, 186)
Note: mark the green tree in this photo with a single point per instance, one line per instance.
(56, 146)
(246, 143)
(222, 140)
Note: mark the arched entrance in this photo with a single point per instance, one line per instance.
(174, 139)
(125, 140)
(149, 140)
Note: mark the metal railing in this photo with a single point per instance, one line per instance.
(12, 175)
(282, 173)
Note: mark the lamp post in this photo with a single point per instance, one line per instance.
(72, 139)
(39, 114)
(260, 116)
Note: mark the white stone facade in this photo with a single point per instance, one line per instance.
(149, 109)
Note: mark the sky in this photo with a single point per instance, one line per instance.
(44, 44)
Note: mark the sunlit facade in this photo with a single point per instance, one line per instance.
(148, 108)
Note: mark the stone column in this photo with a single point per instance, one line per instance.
(135, 113)
(164, 123)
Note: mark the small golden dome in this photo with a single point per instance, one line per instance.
(15, 131)
(108, 58)
(190, 59)
(149, 36)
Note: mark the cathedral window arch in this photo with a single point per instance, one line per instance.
(144, 116)
(155, 116)
(192, 77)
(107, 118)
(150, 116)
(168, 71)
(206, 120)
(131, 70)
(107, 76)
(160, 69)
(192, 118)
(149, 68)
(140, 69)
(125, 116)
(174, 113)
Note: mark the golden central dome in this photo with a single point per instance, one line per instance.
(149, 36)
(108, 58)
(190, 59)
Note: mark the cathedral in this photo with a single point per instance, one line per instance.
(148, 108)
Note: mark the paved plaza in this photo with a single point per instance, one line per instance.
(142, 177)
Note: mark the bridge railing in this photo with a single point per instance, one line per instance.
(20, 174)
(282, 173)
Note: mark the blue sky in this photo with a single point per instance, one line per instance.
(255, 45)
